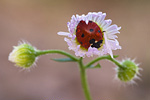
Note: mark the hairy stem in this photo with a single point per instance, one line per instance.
(84, 80)
(39, 52)
(108, 57)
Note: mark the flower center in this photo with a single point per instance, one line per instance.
(89, 34)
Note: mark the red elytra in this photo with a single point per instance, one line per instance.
(89, 34)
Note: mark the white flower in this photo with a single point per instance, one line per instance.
(91, 35)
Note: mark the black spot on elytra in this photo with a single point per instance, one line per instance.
(92, 41)
(80, 42)
(99, 31)
(82, 35)
(91, 30)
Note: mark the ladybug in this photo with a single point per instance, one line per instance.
(89, 34)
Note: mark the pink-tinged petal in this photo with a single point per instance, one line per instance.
(108, 46)
(112, 27)
(112, 36)
(103, 24)
(92, 51)
(73, 37)
(114, 44)
(102, 18)
(109, 21)
(99, 13)
(80, 53)
(112, 32)
(72, 45)
(68, 42)
(89, 53)
(63, 33)
(89, 16)
(118, 28)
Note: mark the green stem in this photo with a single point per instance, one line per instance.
(39, 52)
(108, 57)
(81, 66)
(84, 80)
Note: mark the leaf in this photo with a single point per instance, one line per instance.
(63, 60)
(96, 66)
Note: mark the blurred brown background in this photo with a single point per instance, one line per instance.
(38, 21)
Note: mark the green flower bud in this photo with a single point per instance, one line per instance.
(23, 55)
(127, 71)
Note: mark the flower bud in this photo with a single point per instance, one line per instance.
(127, 71)
(23, 55)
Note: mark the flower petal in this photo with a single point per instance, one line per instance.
(63, 33)
(112, 27)
(112, 36)
(109, 21)
(114, 44)
(108, 46)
